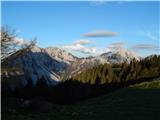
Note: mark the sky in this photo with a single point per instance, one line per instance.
(86, 28)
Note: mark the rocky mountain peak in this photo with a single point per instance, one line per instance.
(61, 55)
(126, 53)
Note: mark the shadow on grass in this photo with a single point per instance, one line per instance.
(123, 104)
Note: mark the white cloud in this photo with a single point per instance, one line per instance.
(83, 46)
(20, 41)
(103, 50)
(82, 42)
(100, 33)
(80, 46)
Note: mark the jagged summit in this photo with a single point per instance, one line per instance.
(126, 53)
(61, 55)
(120, 55)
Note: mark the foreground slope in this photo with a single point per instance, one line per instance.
(136, 102)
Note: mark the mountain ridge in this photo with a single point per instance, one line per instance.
(55, 64)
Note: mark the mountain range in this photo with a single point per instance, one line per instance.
(55, 65)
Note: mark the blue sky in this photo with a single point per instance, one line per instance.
(135, 25)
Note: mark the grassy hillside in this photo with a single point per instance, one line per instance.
(148, 85)
(138, 102)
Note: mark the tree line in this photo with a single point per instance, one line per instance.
(117, 73)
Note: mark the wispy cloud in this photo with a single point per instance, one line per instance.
(100, 33)
(97, 2)
(116, 45)
(149, 35)
(145, 47)
(104, 2)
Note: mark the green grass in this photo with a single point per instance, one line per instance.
(148, 85)
(137, 102)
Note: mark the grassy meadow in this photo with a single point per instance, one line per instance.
(137, 102)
